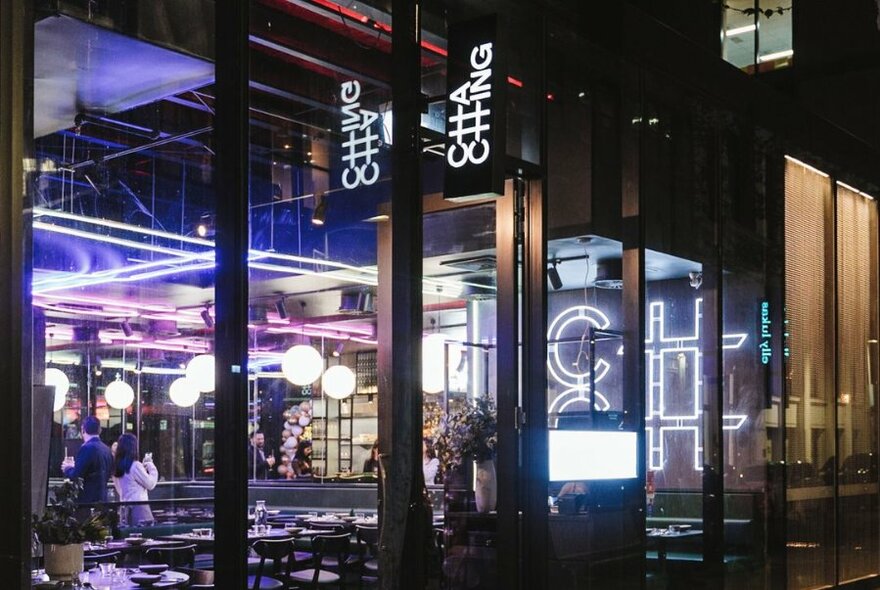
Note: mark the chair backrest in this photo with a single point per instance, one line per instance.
(94, 558)
(334, 545)
(274, 549)
(368, 540)
(173, 556)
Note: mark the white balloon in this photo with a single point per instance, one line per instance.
(119, 395)
(59, 380)
(200, 371)
(338, 382)
(183, 392)
(305, 421)
(296, 430)
(302, 365)
(290, 443)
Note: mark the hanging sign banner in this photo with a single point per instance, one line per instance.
(475, 111)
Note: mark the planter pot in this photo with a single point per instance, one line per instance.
(63, 562)
(486, 488)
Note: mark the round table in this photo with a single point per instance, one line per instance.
(170, 579)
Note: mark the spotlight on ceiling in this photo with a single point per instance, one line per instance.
(337, 352)
(279, 307)
(320, 213)
(206, 317)
(126, 328)
(553, 275)
(205, 226)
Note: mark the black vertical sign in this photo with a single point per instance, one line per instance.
(475, 111)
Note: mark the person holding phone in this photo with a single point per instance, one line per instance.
(133, 479)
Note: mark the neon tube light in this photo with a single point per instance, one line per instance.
(740, 30)
(776, 55)
(807, 166)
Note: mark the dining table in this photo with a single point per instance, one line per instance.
(661, 537)
(208, 540)
(121, 579)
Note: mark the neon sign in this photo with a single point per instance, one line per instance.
(764, 344)
(666, 355)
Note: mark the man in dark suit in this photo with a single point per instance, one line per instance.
(93, 463)
(257, 459)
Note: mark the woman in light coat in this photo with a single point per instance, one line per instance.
(133, 479)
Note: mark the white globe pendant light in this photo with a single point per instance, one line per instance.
(119, 394)
(338, 382)
(183, 392)
(59, 380)
(200, 372)
(433, 355)
(302, 365)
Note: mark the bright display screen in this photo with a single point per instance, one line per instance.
(592, 454)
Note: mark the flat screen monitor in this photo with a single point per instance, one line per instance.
(592, 454)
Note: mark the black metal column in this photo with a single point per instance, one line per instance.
(633, 300)
(712, 362)
(508, 238)
(405, 520)
(16, 167)
(231, 190)
(534, 380)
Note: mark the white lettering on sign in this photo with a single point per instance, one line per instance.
(471, 118)
(362, 142)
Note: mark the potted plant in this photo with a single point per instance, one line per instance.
(62, 532)
(470, 432)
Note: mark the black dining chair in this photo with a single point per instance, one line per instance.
(91, 559)
(329, 547)
(181, 556)
(275, 550)
(368, 554)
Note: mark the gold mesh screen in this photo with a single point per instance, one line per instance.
(809, 277)
(857, 367)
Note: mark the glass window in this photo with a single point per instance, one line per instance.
(123, 257)
(756, 35)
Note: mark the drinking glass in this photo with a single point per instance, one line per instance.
(84, 578)
(313, 514)
(360, 515)
(107, 569)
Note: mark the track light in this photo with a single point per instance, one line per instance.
(337, 352)
(320, 212)
(279, 307)
(553, 275)
(126, 328)
(206, 317)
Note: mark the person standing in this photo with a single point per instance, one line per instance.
(371, 465)
(301, 466)
(92, 464)
(258, 463)
(133, 479)
(430, 463)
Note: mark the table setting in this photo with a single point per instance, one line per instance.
(109, 577)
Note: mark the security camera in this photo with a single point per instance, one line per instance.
(695, 279)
